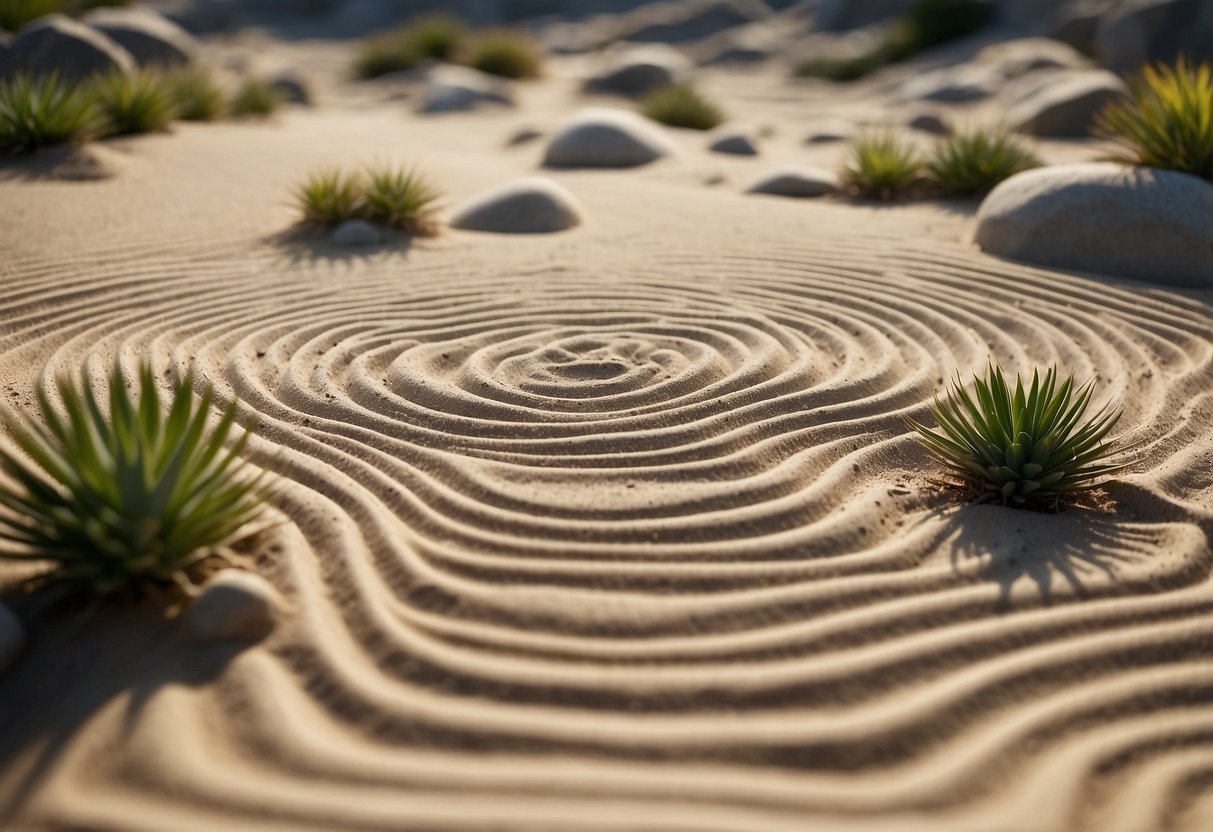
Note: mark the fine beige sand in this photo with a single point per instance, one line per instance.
(618, 528)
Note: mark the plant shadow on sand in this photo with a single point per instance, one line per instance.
(1074, 554)
(301, 244)
(76, 665)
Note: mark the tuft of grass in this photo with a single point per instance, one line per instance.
(927, 23)
(196, 95)
(330, 197)
(682, 105)
(43, 111)
(1022, 447)
(255, 97)
(506, 53)
(439, 37)
(16, 13)
(970, 163)
(1168, 121)
(400, 198)
(881, 166)
(138, 103)
(128, 498)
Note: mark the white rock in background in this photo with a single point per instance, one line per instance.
(56, 43)
(1064, 105)
(638, 70)
(12, 638)
(796, 181)
(234, 606)
(1140, 223)
(151, 38)
(954, 85)
(604, 138)
(532, 205)
(1016, 58)
(451, 89)
(356, 234)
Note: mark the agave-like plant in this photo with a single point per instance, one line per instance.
(329, 197)
(1026, 447)
(881, 166)
(196, 95)
(129, 498)
(1168, 122)
(41, 111)
(506, 53)
(681, 105)
(400, 198)
(138, 103)
(255, 97)
(970, 163)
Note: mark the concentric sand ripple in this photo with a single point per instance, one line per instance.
(568, 549)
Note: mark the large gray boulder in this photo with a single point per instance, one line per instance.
(531, 205)
(151, 38)
(639, 70)
(450, 89)
(1064, 105)
(1143, 31)
(604, 138)
(59, 44)
(1139, 223)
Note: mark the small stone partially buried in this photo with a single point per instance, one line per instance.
(799, 182)
(532, 205)
(356, 234)
(233, 606)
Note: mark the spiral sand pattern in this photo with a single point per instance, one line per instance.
(568, 547)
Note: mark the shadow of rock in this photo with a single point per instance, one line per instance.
(302, 244)
(77, 662)
(64, 163)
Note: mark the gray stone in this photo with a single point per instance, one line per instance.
(532, 205)
(1144, 31)
(523, 135)
(929, 122)
(356, 234)
(1016, 58)
(738, 140)
(1066, 106)
(1139, 223)
(451, 89)
(603, 138)
(59, 44)
(830, 131)
(796, 182)
(1077, 23)
(12, 638)
(682, 21)
(955, 85)
(639, 70)
(292, 89)
(152, 39)
(234, 606)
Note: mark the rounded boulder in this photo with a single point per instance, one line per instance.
(602, 138)
(1140, 223)
(532, 205)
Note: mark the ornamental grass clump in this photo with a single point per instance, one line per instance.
(196, 95)
(1020, 447)
(330, 197)
(971, 163)
(255, 97)
(881, 166)
(41, 111)
(126, 499)
(137, 103)
(506, 53)
(400, 198)
(1168, 120)
(682, 105)
(439, 37)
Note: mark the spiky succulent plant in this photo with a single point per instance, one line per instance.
(138, 103)
(681, 105)
(45, 110)
(330, 197)
(400, 198)
(1026, 447)
(972, 162)
(881, 166)
(1168, 122)
(126, 498)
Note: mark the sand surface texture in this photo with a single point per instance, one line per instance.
(619, 528)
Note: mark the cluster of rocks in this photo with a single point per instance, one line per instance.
(105, 40)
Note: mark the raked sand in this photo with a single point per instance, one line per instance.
(619, 528)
